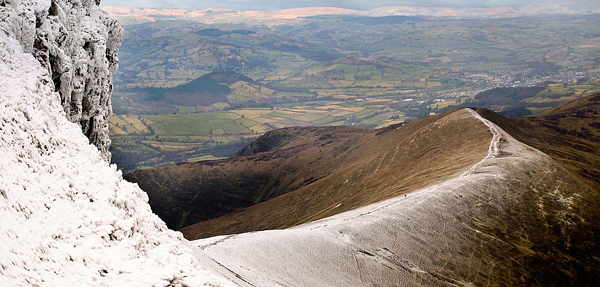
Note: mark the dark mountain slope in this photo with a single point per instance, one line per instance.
(570, 134)
(476, 211)
(187, 193)
(315, 173)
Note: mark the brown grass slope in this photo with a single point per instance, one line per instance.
(518, 219)
(378, 165)
(535, 223)
(321, 171)
(277, 162)
(570, 134)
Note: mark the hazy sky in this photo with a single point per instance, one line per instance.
(284, 4)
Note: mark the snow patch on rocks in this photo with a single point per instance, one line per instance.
(67, 218)
(77, 43)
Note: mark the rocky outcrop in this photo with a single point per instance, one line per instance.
(77, 43)
(67, 218)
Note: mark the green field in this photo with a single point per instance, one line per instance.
(197, 134)
(159, 139)
(426, 59)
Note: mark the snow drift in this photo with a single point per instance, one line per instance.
(67, 218)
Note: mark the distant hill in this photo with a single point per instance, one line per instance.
(213, 32)
(226, 78)
(205, 90)
(370, 21)
(137, 15)
(520, 101)
(386, 20)
(507, 96)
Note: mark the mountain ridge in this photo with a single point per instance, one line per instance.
(312, 159)
(520, 211)
(513, 219)
(270, 147)
(569, 133)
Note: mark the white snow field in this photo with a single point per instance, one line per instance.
(67, 218)
(430, 237)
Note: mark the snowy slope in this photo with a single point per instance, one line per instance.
(67, 218)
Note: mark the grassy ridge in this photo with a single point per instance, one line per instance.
(296, 175)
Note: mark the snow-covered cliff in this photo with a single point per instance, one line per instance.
(67, 218)
(77, 43)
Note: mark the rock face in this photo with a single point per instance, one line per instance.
(77, 43)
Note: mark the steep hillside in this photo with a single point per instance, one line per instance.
(515, 218)
(569, 133)
(313, 173)
(186, 193)
(67, 218)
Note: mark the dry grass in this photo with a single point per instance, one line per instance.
(305, 174)
(326, 177)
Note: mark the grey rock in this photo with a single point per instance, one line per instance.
(78, 43)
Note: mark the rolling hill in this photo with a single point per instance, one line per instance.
(516, 218)
(202, 91)
(310, 160)
(271, 18)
